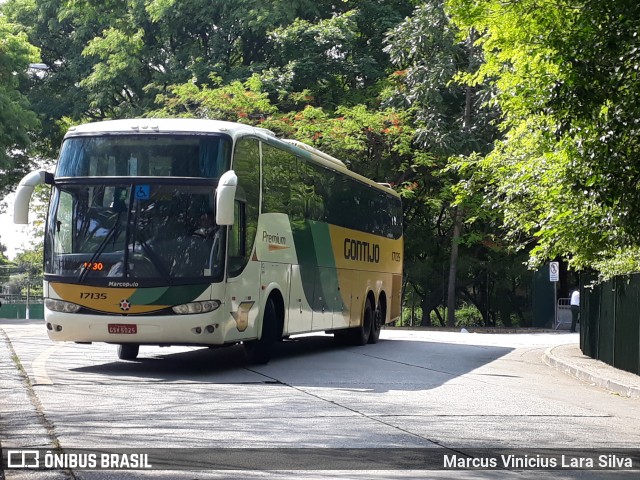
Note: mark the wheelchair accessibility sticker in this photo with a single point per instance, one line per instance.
(142, 192)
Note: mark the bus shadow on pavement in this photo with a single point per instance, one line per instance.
(209, 361)
(313, 361)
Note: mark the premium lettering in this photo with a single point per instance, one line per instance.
(277, 239)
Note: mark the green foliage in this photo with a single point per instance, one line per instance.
(617, 262)
(429, 51)
(596, 103)
(111, 59)
(5, 264)
(378, 84)
(237, 101)
(452, 122)
(565, 77)
(311, 51)
(377, 144)
(17, 121)
(468, 316)
(28, 272)
(338, 59)
(119, 52)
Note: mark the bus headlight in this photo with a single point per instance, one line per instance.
(196, 307)
(61, 306)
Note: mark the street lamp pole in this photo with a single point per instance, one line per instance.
(28, 293)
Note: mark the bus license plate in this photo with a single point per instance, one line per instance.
(121, 328)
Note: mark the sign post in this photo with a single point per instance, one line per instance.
(554, 276)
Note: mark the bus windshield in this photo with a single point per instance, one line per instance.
(144, 155)
(151, 233)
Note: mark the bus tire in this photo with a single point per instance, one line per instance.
(259, 351)
(128, 351)
(360, 335)
(376, 326)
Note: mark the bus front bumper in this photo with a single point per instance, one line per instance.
(195, 329)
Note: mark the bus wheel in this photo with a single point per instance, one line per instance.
(360, 335)
(376, 326)
(259, 351)
(128, 351)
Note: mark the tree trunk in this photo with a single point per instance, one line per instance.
(426, 312)
(457, 223)
(440, 319)
(453, 269)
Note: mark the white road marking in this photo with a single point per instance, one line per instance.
(39, 365)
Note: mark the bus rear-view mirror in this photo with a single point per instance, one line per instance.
(225, 196)
(24, 192)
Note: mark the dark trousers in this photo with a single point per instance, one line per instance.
(575, 311)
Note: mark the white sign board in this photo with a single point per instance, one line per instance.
(554, 271)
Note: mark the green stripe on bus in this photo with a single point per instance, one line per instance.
(167, 295)
(317, 265)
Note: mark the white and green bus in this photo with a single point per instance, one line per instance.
(201, 232)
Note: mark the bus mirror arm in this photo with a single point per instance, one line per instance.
(24, 192)
(225, 198)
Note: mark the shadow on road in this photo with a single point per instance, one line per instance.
(313, 360)
(308, 360)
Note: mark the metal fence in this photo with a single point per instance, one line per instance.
(610, 322)
(563, 314)
(15, 306)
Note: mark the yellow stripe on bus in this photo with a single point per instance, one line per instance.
(111, 300)
(362, 251)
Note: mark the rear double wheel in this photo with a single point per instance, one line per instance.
(376, 326)
(360, 335)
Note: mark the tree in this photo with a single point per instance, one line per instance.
(430, 52)
(237, 101)
(29, 265)
(111, 59)
(337, 59)
(565, 76)
(17, 121)
(315, 71)
(5, 265)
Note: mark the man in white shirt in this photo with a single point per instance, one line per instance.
(575, 308)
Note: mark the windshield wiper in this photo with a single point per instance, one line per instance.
(114, 231)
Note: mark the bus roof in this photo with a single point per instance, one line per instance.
(234, 130)
(157, 125)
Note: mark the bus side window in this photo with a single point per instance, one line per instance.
(278, 174)
(237, 240)
(246, 163)
(64, 225)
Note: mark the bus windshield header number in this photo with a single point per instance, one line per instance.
(94, 266)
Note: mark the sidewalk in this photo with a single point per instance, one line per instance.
(570, 359)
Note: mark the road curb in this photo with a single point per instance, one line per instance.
(584, 375)
(22, 424)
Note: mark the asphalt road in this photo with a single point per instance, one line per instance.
(413, 390)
